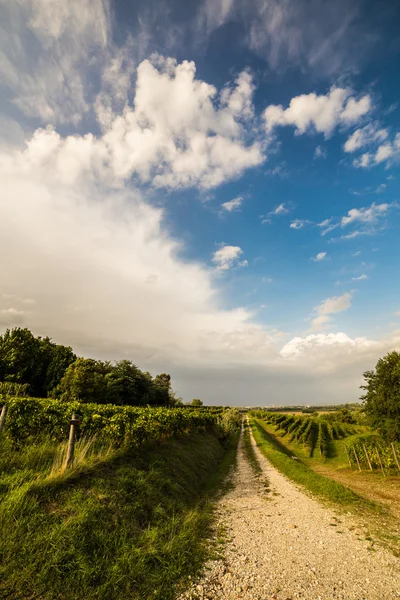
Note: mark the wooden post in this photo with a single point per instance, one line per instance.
(348, 456)
(3, 417)
(358, 462)
(380, 460)
(366, 454)
(71, 441)
(395, 456)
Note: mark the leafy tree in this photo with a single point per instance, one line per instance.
(37, 362)
(84, 380)
(196, 402)
(162, 385)
(382, 395)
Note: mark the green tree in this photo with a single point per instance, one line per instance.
(84, 380)
(196, 402)
(162, 385)
(382, 395)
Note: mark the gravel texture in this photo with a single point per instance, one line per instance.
(283, 544)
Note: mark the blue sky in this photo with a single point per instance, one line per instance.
(207, 188)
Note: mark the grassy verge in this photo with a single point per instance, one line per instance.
(376, 520)
(299, 472)
(134, 525)
(249, 450)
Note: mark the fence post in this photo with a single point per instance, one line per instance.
(366, 454)
(71, 441)
(348, 457)
(358, 462)
(3, 417)
(380, 461)
(395, 456)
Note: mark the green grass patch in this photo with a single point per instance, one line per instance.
(133, 525)
(249, 450)
(301, 473)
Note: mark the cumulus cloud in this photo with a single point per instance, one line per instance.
(319, 113)
(233, 205)
(227, 256)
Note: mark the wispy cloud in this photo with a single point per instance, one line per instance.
(320, 256)
(360, 278)
(233, 205)
(330, 306)
(299, 223)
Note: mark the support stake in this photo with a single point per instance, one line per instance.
(71, 441)
(3, 417)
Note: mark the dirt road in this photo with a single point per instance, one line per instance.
(283, 545)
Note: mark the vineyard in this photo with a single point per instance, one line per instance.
(318, 435)
(33, 417)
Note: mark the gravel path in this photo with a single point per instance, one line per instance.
(284, 545)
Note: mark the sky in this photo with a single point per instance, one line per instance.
(208, 188)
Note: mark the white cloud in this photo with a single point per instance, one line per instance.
(173, 137)
(369, 214)
(323, 113)
(227, 256)
(47, 51)
(320, 152)
(330, 306)
(327, 225)
(388, 152)
(360, 278)
(320, 256)
(364, 161)
(299, 223)
(232, 205)
(367, 135)
(311, 35)
(329, 350)
(280, 210)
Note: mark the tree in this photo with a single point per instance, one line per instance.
(162, 385)
(84, 380)
(37, 362)
(196, 402)
(382, 395)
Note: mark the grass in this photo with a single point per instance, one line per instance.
(378, 520)
(133, 524)
(249, 451)
(301, 473)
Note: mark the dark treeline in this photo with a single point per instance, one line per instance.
(49, 369)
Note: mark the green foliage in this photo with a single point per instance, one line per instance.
(376, 447)
(382, 395)
(49, 369)
(196, 402)
(315, 432)
(121, 425)
(35, 361)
